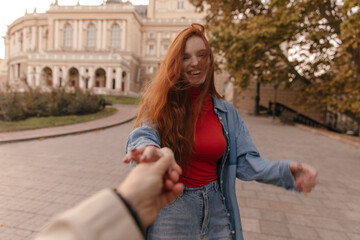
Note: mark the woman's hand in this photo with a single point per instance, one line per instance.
(305, 176)
(146, 154)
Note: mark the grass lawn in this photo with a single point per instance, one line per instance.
(41, 122)
(122, 100)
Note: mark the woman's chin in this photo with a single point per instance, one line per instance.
(196, 82)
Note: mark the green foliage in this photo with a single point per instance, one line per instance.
(122, 100)
(256, 40)
(34, 103)
(52, 121)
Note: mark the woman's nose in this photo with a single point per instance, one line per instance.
(194, 61)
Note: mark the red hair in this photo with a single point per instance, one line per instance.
(166, 102)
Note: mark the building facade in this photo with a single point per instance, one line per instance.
(113, 48)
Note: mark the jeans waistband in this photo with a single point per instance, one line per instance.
(208, 187)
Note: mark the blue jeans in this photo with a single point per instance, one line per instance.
(198, 213)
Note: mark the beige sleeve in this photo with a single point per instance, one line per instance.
(101, 217)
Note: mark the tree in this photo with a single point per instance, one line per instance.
(281, 41)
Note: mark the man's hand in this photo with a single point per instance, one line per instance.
(152, 185)
(305, 176)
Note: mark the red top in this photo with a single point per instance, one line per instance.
(210, 145)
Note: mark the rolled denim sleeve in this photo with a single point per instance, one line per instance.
(143, 136)
(251, 166)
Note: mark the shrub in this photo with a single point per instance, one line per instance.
(59, 102)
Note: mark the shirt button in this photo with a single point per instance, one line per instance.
(227, 133)
(224, 198)
(232, 232)
(220, 118)
(228, 214)
(221, 181)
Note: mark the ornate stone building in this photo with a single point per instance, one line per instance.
(112, 48)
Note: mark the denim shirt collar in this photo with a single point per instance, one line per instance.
(218, 104)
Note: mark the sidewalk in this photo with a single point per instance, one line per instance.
(124, 114)
(40, 179)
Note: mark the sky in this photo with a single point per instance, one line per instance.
(13, 9)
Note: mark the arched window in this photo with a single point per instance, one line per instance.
(115, 36)
(91, 36)
(67, 35)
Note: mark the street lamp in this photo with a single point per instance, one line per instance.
(276, 85)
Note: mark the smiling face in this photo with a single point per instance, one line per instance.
(196, 61)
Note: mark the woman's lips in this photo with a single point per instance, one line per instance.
(194, 73)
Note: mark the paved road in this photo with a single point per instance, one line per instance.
(41, 178)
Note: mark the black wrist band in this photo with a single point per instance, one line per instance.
(133, 214)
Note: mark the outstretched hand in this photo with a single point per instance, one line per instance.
(146, 154)
(151, 186)
(305, 176)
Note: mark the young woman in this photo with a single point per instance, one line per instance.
(182, 110)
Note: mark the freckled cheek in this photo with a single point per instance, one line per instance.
(204, 63)
(183, 69)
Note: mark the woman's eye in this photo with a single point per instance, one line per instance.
(185, 57)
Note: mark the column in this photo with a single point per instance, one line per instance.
(118, 78)
(40, 39)
(56, 76)
(91, 77)
(108, 78)
(158, 45)
(75, 31)
(16, 42)
(80, 43)
(37, 76)
(104, 35)
(98, 32)
(123, 37)
(24, 40)
(7, 48)
(33, 38)
(11, 73)
(64, 80)
(11, 48)
(29, 77)
(82, 78)
(56, 40)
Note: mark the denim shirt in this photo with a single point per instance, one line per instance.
(240, 160)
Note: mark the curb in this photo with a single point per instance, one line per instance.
(67, 133)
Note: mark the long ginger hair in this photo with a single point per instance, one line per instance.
(166, 103)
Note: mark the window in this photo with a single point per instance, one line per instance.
(91, 36)
(180, 5)
(150, 70)
(67, 35)
(151, 35)
(115, 36)
(164, 49)
(151, 49)
(166, 35)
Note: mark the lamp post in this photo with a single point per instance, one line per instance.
(257, 99)
(276, 85)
